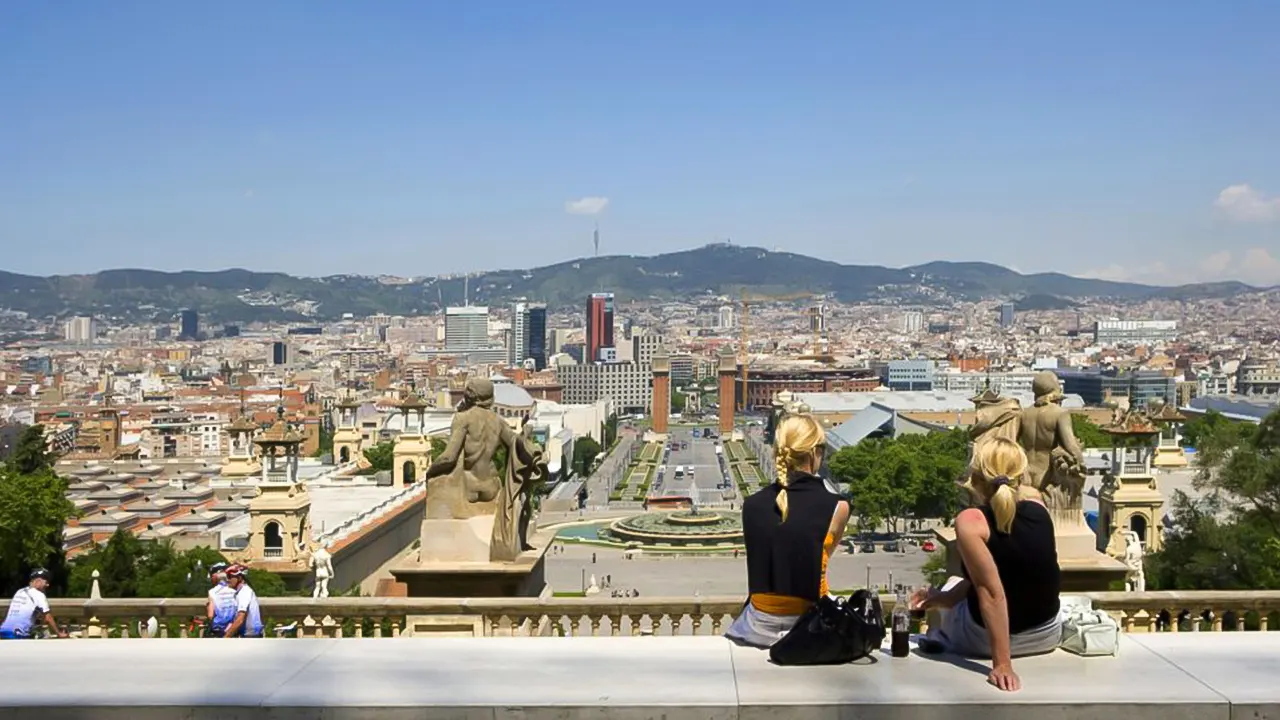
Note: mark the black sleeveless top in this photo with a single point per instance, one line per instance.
(1027, 560)
(785, 558)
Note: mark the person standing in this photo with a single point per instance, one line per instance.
(28, 607)
(247, 621)
(222, 601)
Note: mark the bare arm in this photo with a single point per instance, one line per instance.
(1067, 437)
(839, 519)
(972, 534)
(53, 625)
(235, 625)
(444, 464)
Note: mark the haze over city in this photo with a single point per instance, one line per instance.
(1128, 141)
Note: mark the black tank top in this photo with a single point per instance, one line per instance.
(785, 558)
(1027, 560)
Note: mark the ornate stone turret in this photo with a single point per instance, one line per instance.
(412, 449)
(348, 444)
(1169, 453)
(279, 515)
(241, 460)
(1130, 500)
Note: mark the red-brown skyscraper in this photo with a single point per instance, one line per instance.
(599, 325)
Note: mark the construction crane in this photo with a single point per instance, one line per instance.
(745, 300)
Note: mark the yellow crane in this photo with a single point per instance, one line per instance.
(745, 300)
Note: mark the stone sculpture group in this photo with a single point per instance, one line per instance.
(1055, 458)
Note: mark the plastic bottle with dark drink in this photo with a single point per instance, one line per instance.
(899, 644)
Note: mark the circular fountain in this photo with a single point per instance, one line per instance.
(679, 528)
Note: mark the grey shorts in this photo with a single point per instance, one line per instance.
(959, 634)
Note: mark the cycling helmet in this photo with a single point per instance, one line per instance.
(237, 570)
(217, 568)
(39, 574)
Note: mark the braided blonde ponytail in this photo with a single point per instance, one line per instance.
(782, 461)
(797, 438)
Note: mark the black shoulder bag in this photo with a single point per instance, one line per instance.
(833, 632)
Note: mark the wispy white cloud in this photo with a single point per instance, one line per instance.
(1244, 203)
(586, 206)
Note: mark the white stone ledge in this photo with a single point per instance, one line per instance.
(1192, 676)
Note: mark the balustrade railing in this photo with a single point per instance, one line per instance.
(1178, 611)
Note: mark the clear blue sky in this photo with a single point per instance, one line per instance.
(1124, 139)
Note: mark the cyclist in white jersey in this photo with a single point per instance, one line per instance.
(28, 607)
(222, 601)
(248, 618)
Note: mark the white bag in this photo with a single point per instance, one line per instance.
(1090, 633)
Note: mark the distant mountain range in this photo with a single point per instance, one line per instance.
(721, 269)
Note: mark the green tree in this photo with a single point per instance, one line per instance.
(585, 450)
(1229, 538)
(678, 402)
(1213, 427)
(31, 453)
(381, 457)
(910, 476)
(129, 567)
(611, 430)
(33, 511)
(1089, 433)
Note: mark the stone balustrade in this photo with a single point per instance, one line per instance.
(593, 616)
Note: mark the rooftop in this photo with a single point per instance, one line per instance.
(1198, 676)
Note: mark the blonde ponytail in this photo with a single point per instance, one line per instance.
(996, 473)
(1004, 505)
(780, 463)
(797, 439)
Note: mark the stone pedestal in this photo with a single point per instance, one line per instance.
(430, 577)
(240, 466)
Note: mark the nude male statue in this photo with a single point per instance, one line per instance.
(1055, 460)
(474, 438)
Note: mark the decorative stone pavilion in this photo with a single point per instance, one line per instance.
(1169, 452)
(348, 444)
(241, 461)
(412, 448)
(279, 517)
(1130, 499)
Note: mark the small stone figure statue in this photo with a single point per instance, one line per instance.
(322, 563)
(1135, 579)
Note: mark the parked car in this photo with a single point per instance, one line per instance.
(868, 548)
(929, 546)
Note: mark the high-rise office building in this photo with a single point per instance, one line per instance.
(726, 317)
(279, 353)
(536, 329)
(81, 329)
(1006, 315)
(599, 325)
(189, 325)
(912, 321)
(518, 340)
(466, 328)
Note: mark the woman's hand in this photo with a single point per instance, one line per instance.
(919, 599)
(1004, 678)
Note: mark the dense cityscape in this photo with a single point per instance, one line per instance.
(699, 362)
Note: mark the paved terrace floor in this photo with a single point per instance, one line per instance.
(1189, 676)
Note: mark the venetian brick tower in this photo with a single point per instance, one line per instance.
(727, 375)
(660, 407)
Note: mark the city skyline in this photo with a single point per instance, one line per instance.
(1127, 143)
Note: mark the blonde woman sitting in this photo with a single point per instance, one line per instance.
(790, 529)
(1006, 605)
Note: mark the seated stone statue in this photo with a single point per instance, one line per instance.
(463, 482)
(1055, 458)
